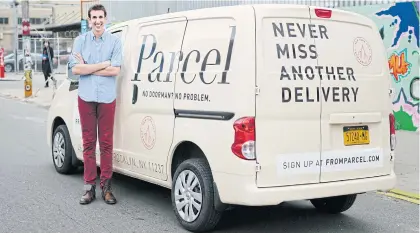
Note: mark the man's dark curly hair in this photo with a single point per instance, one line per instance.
(97, 7)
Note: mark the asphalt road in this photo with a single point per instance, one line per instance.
(35, 198)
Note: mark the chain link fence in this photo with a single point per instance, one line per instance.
(62, 49)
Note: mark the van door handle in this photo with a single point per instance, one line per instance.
(135, 93)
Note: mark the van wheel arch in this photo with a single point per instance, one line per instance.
(189, 150)
(57, 122)
(186, 150)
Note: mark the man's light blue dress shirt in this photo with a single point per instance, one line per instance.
(94, 88)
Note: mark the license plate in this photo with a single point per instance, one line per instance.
(356, 135)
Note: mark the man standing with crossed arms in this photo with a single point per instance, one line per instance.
(97, 57)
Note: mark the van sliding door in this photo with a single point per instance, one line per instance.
(149, 116)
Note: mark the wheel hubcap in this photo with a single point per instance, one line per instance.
(188, 196)
(8, 68)
(59, 150)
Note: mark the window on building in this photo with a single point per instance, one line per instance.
(4, 20)
(34, 20)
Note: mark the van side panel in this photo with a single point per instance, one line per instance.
(215, 83)
(355, 96)
(146, 93)
(287, 119)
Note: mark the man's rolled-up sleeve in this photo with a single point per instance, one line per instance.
(116, 57)
(76, 49)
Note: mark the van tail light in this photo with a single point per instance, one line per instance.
(393, 136)
(323, 13)
(244, 141)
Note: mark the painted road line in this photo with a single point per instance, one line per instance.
(404, 193)
(401, 197)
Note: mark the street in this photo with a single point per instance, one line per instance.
(37, 199)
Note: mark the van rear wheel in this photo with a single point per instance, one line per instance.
(192, 196)
(334, 205)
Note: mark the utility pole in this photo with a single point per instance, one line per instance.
(26, 38)
(81, 10)
(16, 44)
(53, 16)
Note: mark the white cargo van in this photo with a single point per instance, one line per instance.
(248, 105)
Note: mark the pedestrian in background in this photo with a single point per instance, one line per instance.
(97, 59)
(47, 60)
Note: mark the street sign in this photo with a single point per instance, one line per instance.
(83, 26)
(26, 27)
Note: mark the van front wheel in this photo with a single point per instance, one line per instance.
(334, 205)
(62, 150)
(192, 196)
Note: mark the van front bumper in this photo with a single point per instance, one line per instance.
(242, 190)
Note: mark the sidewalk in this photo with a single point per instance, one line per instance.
(12, 86)
(407, 161)
(407, 151)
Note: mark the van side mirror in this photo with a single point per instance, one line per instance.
(73, 78)
(70, 76)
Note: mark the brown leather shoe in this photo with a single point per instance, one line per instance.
(107, 193)
(89, 196)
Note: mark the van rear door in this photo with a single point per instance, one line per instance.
(287, 113)
(354, 96)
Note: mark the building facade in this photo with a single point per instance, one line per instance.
(9, 20)
(42, 14)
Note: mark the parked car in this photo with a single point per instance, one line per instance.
(9, 62)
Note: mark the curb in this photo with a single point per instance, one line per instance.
(29, 100)
(402, 195)
(13, 79)
(9, 80)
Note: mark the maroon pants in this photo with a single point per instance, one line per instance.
(97, 116)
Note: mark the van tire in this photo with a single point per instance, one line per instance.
(208, 217)
(65, 166)
(334, 205)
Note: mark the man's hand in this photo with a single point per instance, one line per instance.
(79, 58)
